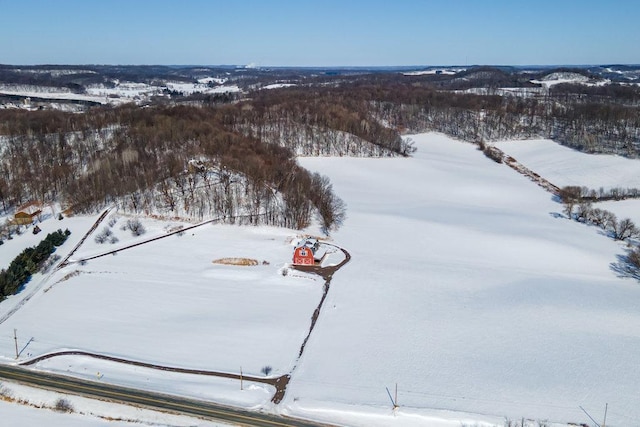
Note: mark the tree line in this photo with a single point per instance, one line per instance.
(29, 262)
(579, 208)
(592, 195)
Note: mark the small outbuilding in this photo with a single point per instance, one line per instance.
(27, 212)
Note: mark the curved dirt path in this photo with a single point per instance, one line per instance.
(279, 383)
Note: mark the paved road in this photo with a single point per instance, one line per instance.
(147, 399)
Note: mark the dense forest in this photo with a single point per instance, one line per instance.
(172, 160)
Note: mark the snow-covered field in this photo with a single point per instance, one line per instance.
(623, 209)
(191, 88)
(165, 302)
(465, 288)
(446, 71)
(86, 412)
(52, 93)
(564, 166)
(122, 92)
(468, 292)
(278, 85)
(557, 78)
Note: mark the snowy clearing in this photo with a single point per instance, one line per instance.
(191, 88)
(445, 71)
(561, 77)
(53, 94)
(122, 92)
(166, 302)
(278, 85)
(564, 166)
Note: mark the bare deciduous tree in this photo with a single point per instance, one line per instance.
(625, 229)
(136, 227)
(63, 405)
(584, 212)
(634, 258)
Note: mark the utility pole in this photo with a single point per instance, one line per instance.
(394, 402)
(395, 405)
(240, 377)
(606, 406)
(15, 338)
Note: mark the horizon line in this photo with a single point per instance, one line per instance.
(257, 66)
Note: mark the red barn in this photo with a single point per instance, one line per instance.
(303, 256)
(304, 253)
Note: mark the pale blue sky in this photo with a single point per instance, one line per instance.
(320, 33)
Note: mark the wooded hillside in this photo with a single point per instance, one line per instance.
(235, 159)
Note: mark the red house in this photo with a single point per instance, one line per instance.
(304, 253)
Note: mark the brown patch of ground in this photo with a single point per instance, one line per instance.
(236, 261)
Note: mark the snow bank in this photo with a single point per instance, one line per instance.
(34, 411)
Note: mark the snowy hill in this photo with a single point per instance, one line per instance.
(565, 77)
(563, 166)
(466, 287)
(469, 293)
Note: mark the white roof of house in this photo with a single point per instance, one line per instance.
(308, 243)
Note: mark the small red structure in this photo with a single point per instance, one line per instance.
(304, 253)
